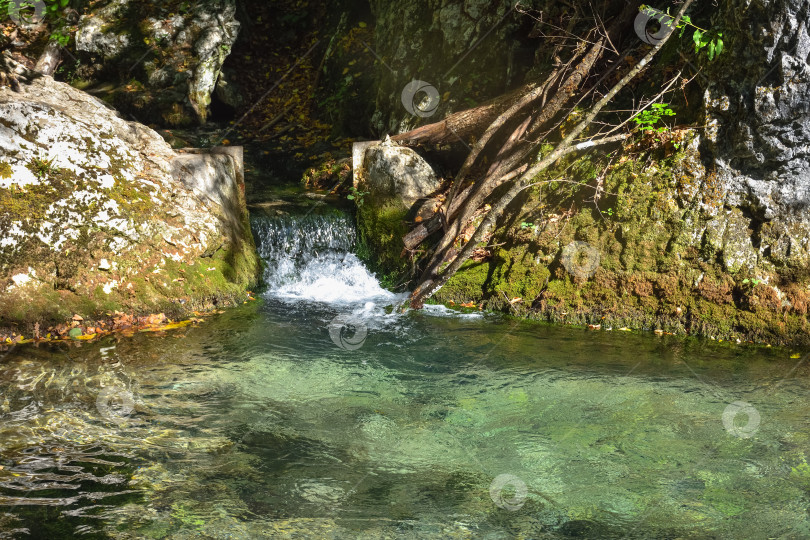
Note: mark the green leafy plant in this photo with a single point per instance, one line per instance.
(608, 212)
(713, 41)
(53, 7)
(752, 281)
(20, 10)
(646, 120)
(42, 167)
(710, 40)
(526, 224)
(356, 195)
(26, 9)
(61, 35)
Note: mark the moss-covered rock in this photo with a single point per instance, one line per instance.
(381, 227)
(655, 250)
(667, 259)
(100, 214)
(391, 184)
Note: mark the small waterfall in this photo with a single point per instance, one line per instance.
(309, 257)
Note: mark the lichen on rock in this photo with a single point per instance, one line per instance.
(97, 217)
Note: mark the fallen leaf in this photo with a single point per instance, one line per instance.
(155, 319)
(170, 326)
(78, 318)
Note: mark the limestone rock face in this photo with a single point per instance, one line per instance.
(758, 116)
(92, 37)
(99, 212)
(393, 171)
(175, 56)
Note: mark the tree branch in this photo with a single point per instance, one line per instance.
(429, 286)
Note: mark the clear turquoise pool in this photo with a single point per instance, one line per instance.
(300, 417)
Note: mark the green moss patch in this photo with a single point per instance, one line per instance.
(381, 226)
(654, 273)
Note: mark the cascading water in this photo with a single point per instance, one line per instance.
(309, 257)
(318, 414)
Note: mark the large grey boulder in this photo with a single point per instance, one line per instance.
(175, 57)
(100, 213)
(397, 172)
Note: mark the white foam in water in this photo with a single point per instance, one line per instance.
(334, 278)
(309, 258)
(442, 311)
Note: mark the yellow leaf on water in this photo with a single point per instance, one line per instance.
(170, 326)
(796, 355)
(178, 324)
(345, 71)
